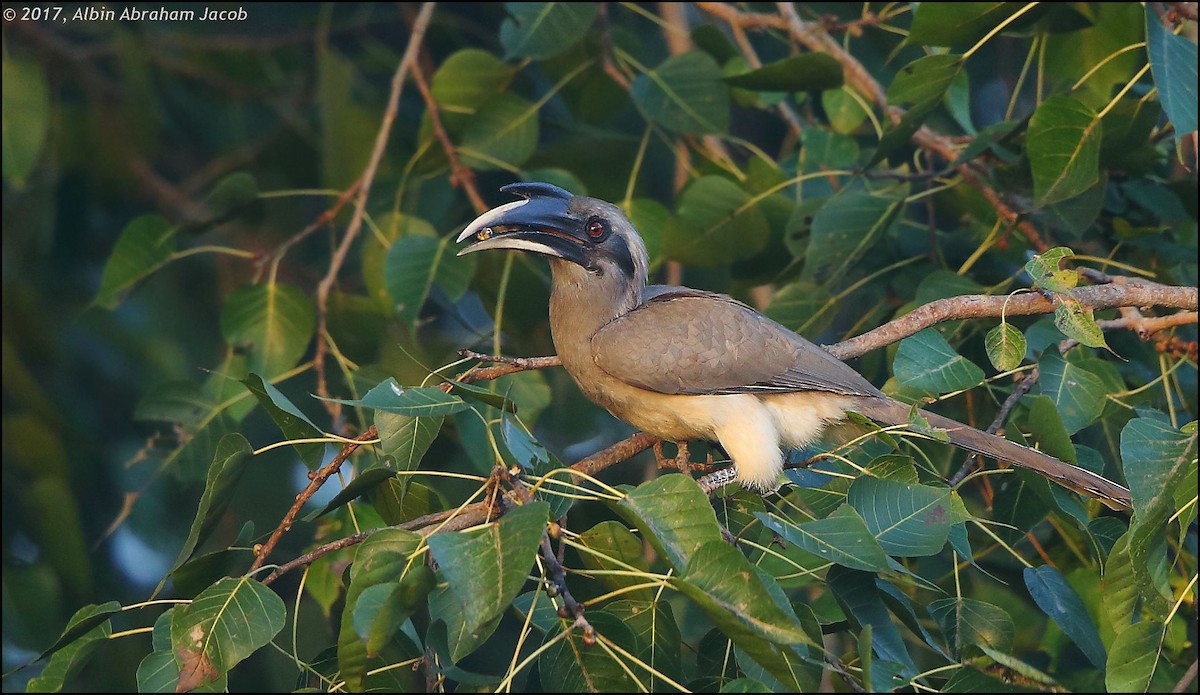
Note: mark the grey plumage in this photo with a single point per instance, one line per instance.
(682, 363)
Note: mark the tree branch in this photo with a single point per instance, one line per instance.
(1133, 292)
(360, 205)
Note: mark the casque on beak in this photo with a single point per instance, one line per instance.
(542, 223)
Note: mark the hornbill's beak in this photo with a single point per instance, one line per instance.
(541, 223)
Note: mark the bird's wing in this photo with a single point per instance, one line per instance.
(682, 341)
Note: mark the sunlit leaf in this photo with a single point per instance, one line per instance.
(271, 323)
(1005, 346)
(1064, 149)
(673, 513)
(226, 623)
(842, 537)
(1133, 658)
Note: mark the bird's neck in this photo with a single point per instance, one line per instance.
(581, 302)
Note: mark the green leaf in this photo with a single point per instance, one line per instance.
(1045, 271)
(228, 464)
(674, 514)
(486, 567)
(26, 117)
(1063, 144)
(226, 623)
(1133, 658)
(842, 537)
(572, 666)
(1157, 458)
(657, 637)
(967, 621)
(1056, 598)
(807, 72)
(920, 85)
(685, 94)
(1079, 323)
(845, 113)
(414, 264)
(381, 559)
(536, 460)
(957, 23)
(348, 127)
(1173, 65)
(391, 397)
(715, 224)
(145, 245)
(464, 81)
(718, 578)
(362, 484)
(86, 630)
(1005, 346)
(923, 82)
(291, 421)
(271, 323)
(845, 228)
(615, 548)
(404, 439)
(749, 607)
(540, 30)
(382, 609)
(450, 626)
(803, 306)
(925, 361)
(745, 685)
(859, 597)
(908, 520)
(1120, 586)
(1078, 394)
(502, 134)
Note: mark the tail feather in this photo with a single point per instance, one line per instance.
(1111, 494)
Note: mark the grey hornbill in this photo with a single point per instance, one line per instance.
(687, 364)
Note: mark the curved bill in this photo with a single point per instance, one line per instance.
(540, 224)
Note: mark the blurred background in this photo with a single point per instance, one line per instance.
(240, 133)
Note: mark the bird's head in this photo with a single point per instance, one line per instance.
(588, 232)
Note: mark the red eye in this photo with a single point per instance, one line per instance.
(596, 228)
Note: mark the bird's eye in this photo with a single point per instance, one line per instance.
(596, 228)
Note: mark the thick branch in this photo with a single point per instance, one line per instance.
(1130, 293)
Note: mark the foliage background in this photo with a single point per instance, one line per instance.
(239, 135)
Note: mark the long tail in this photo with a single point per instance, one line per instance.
(1111, 494)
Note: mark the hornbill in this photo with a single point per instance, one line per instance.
(682, 364)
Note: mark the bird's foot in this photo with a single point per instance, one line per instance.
(718, 479)
(682, 461)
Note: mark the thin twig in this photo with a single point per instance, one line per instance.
(360, 205)
(1023, 387)
(472, 514)
(460, 175)
(317, 480)
(1189, 677)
